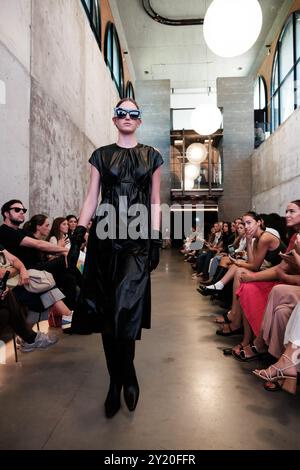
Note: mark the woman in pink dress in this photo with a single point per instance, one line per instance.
(255, 288)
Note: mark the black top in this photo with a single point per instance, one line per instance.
(126, 179)
(11, 239)
(116, 273)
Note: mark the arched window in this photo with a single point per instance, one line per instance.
(92, 9)
(129, 92)
(113, 57)
(260, 110)
(285, 94)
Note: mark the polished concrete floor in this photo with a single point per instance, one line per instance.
(192, 396)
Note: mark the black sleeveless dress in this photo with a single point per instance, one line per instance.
(116, 274)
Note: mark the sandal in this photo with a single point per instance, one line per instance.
(223, 318)
(286, 382)
(242, 355)
(231, 332)
(260, 355)
(273, 386)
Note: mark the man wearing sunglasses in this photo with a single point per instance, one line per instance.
(16, 240)
(32, 252)
(117, 273)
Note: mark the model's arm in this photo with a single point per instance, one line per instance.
(155, 200)
(91, 200)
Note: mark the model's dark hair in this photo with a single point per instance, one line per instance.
(71, 216)
(55, 232)
(7, 205)
(297, 202)
(131, 100)
(31, 225)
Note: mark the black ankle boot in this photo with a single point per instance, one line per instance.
(131, 391)
(113, 402)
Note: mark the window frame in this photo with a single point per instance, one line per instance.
(111, 37)
(90, 14)
(129, 88)
(275, 77)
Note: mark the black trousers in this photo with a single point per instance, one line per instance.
(11, 315)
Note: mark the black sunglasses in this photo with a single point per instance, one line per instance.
(121, 113)
(18, 209)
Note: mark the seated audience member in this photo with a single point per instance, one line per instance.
(261, 246)
(283, 374)
(72, 224)
(211, 249)
(255, 287)
(269, 330)
(32, 251)
(58, 234)
(11, 315)
(38, 227)
(239, 252)
(19, 278)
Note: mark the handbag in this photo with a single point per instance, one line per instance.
(39, 281)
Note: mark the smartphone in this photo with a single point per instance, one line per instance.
(3, 282)
(231, 251)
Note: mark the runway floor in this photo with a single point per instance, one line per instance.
(192, 396)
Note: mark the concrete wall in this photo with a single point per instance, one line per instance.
(59, 100)
(15, 109)
(153, 98)
(276, 168)
(71, 105)
(235, 96)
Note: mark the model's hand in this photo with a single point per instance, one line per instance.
(76, 242)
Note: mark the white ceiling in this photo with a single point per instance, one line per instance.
(179, 53)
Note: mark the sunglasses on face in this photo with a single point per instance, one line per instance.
(121, 113)
(18, 209)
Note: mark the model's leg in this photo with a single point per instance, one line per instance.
(131, 387)
(112, 403)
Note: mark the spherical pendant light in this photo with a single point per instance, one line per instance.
(206, 119)
(196, 153)
(231, 27)
(191, 171)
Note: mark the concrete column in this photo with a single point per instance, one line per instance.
(153, 98)
(235, 96)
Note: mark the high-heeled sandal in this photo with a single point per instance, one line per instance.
(223, 318)
(287, 382)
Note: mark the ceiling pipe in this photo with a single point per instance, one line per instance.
(169, 21)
